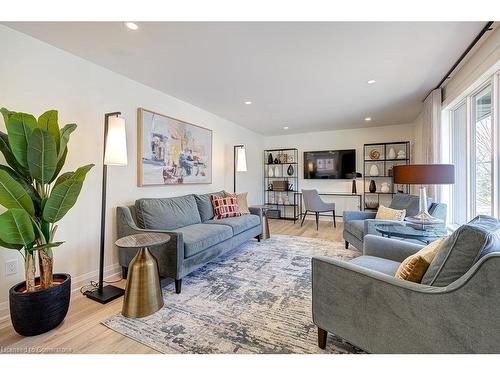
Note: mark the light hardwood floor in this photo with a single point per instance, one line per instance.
(81, 331)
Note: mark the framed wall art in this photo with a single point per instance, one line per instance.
(171, 151)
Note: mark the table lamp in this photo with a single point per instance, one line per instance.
(424, 174)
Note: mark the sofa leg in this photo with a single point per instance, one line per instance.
(317, 220)
(124, 272)
(334, 222)
(258, 238)
(346, 245)
(322, 336)
(178, 286)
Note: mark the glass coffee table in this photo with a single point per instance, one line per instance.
(406, 231)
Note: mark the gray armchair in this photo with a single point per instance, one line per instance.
(364, 304)
(357, 224)
(314, 203)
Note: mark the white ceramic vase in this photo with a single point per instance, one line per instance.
(271, 172)
(374, 170)
(392, 154)
(385, 188)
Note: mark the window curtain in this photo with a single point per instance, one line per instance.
(431, 136)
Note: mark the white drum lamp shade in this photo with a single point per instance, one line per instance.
(241, 164)
(116, 142)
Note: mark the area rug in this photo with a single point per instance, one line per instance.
(254, 299)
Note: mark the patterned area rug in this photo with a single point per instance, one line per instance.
(254, 299)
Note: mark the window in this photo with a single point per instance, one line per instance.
(472, 132)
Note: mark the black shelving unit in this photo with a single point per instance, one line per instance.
(385, 164)
(284, 203)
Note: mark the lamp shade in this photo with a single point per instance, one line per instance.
(241, 160)
(116, 142)
(424, 174)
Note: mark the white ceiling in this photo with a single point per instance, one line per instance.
(307, 76)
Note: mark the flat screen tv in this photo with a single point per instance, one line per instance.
(329, 165)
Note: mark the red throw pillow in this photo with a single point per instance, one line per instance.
(225, 207)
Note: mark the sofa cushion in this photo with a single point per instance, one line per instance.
(355, 227)
(462, 249)
(225, 207)
(238, 224)
(387, 266)
(167, 213)
(205, 207)
(386, 213)
(407, 202)
(198, 237)
(242, 199)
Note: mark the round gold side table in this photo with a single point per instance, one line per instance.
(143, 294)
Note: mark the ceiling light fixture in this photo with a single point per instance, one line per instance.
(371, 81)
(285, 127)
(248, 102)
(368, 118)
(131, 26)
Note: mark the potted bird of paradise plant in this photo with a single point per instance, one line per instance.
(36, 196)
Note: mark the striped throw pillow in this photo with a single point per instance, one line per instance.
(225, 207)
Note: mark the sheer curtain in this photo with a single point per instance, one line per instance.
(431, 135)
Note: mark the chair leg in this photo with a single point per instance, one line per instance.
(322, 336)
(124, 272)
(303, 218)
(334, 222)
(346, 245)
(178, 286)
(317, 220)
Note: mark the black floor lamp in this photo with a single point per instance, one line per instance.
(239, 162)
(115, 153)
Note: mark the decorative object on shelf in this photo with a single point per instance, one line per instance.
(290, 187)
(385, 188)
(374, 172)
(143, 295)
(280, 198)
(282, 158)
(34, 154)
(401, 154)
(277, 171)
(389, 172)
(371, 203)
(373, 187)
(374, 154)
(392, 153)
(270, 186)
(290, 159)
(239, 162)
(271, 199)
(424, 174)
(290, 170)
(270, 158)
(286, 199)
(400, 189)
(270, 172)
(276, 161)
(354, 175)
(280, 185)
(171, 151)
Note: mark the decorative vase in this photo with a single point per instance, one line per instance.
(401, 154)
(372, 187)
(392, 154)
(374, 170)
(384, 188)
(38, 312)
(277, 172)
(290, 170)
(371, 203)
(271, 172)
(276, 161)
(270, 158)
(280, 199)
(286, 200)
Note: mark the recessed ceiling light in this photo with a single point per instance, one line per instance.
(371, 81)
(131, 25)
(368, 118)
(248, 102)
(285, 127)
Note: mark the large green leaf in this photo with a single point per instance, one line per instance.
(60, 164)
(65, 133)
(6, 114)
(10, 158)
(16, 227)
(10, 246)
(48, 121)
(13, 195)
(27, 186)
(42, 156)
(19, 129)
(64, 195)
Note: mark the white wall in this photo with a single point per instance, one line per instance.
(35, 77)
(339, 140)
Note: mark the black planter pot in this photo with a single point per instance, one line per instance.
(39, 312)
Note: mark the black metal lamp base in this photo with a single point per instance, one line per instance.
(108, 294)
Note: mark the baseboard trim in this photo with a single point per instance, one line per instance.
(113, 270)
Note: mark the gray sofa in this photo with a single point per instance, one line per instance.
(196, 238)
(357, 224)
(456, 309)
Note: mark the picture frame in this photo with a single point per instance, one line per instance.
(172, 151)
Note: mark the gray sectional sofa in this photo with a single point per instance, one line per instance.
(196, 238)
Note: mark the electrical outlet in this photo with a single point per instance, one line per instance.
(10, 267)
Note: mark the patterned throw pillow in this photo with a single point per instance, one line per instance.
(225, 207)
(242, 201)
(415, 266)
(386, 213)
